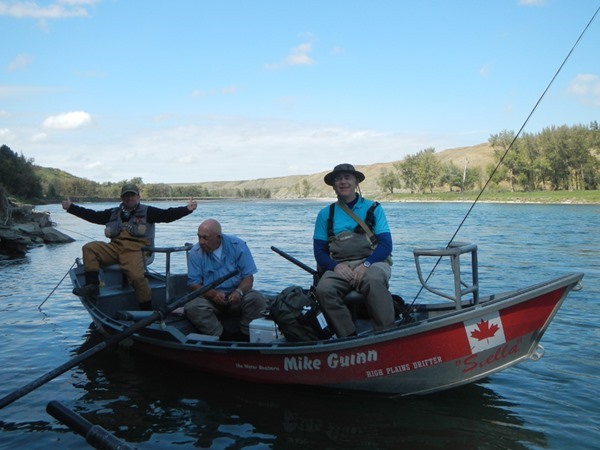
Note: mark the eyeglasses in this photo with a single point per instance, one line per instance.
(344, 177)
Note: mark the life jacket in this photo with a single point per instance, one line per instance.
(136, 226)
(369, 221)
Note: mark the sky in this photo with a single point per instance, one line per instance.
(191, 91)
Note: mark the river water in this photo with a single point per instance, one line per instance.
(551, 403)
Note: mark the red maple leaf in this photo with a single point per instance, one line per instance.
(484, 331)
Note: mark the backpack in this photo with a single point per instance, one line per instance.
(297, 314)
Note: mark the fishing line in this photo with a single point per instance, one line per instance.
(509, 148)
(56, 287)
(77, 232)
(65, 275)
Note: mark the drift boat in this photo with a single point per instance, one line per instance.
(456, 337)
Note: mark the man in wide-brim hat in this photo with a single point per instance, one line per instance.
(353, 246)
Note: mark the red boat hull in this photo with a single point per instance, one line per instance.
(446, 351)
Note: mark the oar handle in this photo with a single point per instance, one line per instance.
(95, 435)
(295, 261)
(15, 395)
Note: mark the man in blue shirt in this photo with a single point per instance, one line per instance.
(214, 256)
(351, 257)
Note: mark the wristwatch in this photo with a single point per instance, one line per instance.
(239, 291)
(367, 264)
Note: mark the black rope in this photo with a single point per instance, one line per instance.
(509, 148)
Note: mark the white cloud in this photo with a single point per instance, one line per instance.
(229, 90)
(39, 137)
(67, 121)
(62, 9)
(586, 88)
(20, 62)
(216, 148)
(532, 2)
(485, 70)
(299, 56)
(12, 91)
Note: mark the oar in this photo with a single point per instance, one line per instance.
(157, 315)
(309, 269)
(94, 435)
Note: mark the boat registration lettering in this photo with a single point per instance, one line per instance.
(333, 361)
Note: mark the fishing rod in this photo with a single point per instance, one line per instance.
(510, 146)
(160, 314)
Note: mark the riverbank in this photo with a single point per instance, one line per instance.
(550, 197)
(22, 227)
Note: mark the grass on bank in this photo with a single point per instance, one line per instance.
(584, 197)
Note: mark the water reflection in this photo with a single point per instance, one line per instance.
(142, 401)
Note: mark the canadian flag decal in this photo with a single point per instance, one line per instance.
(485, 332)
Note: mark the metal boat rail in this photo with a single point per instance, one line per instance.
(461, 288)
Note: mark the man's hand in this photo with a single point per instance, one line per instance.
(234, 297)
(358, 274)
(344, 271)
(192, 204)
(66, 204)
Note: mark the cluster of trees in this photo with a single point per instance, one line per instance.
(21, 178)
(303, 188)
(557, 158)
(17, 175)
(424, 172)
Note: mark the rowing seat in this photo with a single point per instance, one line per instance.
(354, 300)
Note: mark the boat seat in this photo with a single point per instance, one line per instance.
(354, 300)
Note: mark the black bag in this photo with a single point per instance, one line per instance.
(298, 316)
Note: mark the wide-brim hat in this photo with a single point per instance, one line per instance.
(129, 188)
(343, 168)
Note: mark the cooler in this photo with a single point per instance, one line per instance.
(264, 331)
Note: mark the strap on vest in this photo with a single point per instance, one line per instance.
(369, 220)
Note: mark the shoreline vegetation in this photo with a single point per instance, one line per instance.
(541, 197)
(560, 164)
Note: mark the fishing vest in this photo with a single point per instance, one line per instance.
(351, 245)
(136, 226)
(369, 221)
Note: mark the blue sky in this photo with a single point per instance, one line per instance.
(196, 91)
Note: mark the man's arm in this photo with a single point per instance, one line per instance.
(98, 217)
(158, 215)
(321, 251)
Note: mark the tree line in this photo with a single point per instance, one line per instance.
(557, 158)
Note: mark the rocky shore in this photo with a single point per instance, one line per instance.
(22, 227)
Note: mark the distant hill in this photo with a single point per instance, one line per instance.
(284, 187)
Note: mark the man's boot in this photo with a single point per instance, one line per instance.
(91, 289)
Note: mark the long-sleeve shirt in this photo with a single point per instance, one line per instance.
(155, 215)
